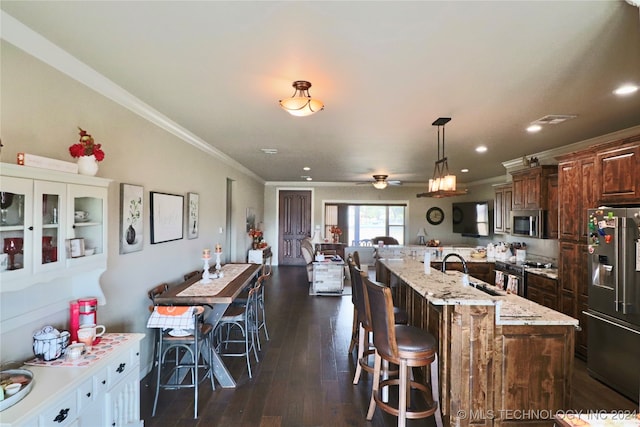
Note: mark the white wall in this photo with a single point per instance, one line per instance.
(41, 109)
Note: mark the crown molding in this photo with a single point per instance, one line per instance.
(27, 40)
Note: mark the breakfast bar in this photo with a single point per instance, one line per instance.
(504, 360)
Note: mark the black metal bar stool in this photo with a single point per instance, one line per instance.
(405, 346)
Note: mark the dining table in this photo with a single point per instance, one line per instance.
(217, 294)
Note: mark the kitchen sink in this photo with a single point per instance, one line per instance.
(487, 290)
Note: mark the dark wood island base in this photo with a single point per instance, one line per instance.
(499, 365)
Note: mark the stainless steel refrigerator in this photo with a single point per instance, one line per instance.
(614, 298)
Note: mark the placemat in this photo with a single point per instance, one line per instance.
(230, 272)
(107, 344)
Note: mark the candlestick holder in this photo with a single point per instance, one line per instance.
(218, 261)
(206, 276)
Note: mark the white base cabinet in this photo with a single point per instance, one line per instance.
(105, 393)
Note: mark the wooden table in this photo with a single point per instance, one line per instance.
(218, 303)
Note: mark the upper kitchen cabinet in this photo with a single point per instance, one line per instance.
(53, 225)
(619, 172)
(576, 193)
(530, 187)
(552, 209)
(502, 208)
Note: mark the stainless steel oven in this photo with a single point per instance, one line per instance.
(503, 271)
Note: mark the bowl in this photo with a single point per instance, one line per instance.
(12, 389)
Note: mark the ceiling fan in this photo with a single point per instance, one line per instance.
(380, 182)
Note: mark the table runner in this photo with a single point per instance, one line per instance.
(198, 289)
(107, 344)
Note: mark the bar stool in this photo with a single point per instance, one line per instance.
(364, 323)
(242, 317)
(405, 346)
(190, 352)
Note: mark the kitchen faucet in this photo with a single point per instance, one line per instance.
(464, 263)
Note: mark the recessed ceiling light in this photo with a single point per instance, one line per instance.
(465, 170)
(481, 149)
(306, 168)
(309, 178)
(269, 150)
(626, 89)
(534, 128)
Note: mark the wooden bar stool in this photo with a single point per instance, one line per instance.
(365, 349)
(405, 346)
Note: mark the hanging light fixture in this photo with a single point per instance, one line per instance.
(301, 103)
(443, 184)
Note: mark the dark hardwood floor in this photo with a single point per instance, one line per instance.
(304, 377)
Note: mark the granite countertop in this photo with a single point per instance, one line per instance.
(551, 273)
(447, 289)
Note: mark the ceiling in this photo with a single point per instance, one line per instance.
(384, 70)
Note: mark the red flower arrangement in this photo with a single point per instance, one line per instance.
(335, 230)
(86, 147)
(256, 235)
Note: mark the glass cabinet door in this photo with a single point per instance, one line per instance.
(50, 208)
(16, 200)
(88, 211)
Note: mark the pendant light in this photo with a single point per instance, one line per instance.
(301, 104)
(443, 184)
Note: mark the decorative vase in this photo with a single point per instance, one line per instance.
(87, 165)
(131, 235)
(336, 238)
(254, 245)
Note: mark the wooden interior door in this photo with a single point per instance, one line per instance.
(294, 224)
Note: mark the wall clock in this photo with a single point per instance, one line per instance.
(435, 216)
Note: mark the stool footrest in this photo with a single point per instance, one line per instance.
(426, 392)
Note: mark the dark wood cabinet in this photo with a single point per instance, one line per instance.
(552, 207)
(502, 208)
(583, 302)
(569, 268)
(618, 171)
(530, 187)
(577, 185)
(542, 290)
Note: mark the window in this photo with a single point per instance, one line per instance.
(361, 223)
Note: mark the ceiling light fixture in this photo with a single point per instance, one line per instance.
(380, 181)
(481, 149)
(534, 128)
(443, 184)
(627, 89)
(301, 104)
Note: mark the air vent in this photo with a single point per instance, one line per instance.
(269, 150)
(554, 119)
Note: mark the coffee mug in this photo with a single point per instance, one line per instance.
(95, 329)
(86, 337)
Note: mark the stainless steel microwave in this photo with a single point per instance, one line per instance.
(528, 223)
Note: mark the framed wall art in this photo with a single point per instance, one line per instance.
(251, 219)
(193, 206)
(167, 222)
(131, 223)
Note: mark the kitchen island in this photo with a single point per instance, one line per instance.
(504, 360)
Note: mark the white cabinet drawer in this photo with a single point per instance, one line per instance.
(101, 383)
(85, 394)
(121, 367)
(62, 413)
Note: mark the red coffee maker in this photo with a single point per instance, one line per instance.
(81, 312)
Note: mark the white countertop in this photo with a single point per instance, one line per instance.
(447, 289)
